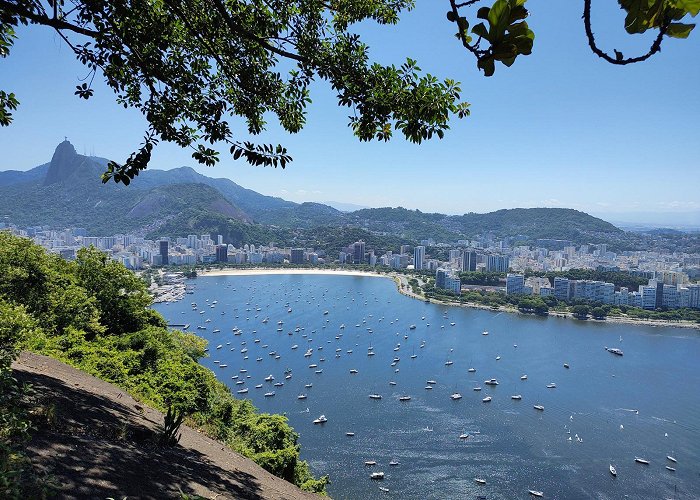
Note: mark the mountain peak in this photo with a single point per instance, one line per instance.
(63, 164)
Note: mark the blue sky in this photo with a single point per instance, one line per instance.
(559, 128)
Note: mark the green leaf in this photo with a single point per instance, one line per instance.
(679, 30)
(692, 7)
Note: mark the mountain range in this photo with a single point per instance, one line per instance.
(68, 192)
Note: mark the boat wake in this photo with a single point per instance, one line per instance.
(632, 410)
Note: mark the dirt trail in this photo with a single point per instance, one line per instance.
(100, 446)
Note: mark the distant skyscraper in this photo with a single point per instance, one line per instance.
(515, 284)
(297, 256)
(219, 239)
(164, 252)
(468, 261)
(222, 253)
(359, 252)
(440, 276)
(497, 263)
(418, 257)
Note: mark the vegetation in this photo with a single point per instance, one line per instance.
(618, 278)
(92, 313)
(190, 66)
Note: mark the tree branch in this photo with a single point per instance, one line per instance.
(57, 24)
(221, 8)
(619, 60)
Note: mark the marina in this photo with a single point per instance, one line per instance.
(512, 442)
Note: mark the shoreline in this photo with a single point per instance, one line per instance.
(404, 288)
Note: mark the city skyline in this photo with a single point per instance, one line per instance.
(577, 134)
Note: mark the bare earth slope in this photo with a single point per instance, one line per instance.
(100, 445)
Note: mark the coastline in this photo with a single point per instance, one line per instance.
(404, 288)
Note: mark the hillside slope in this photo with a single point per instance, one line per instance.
(99, 445)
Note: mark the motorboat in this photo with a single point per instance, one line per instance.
(614, 350)
(523, 377)
(487, 399)
(478, 480)
(535, 493)
(405, 398)
(643, 461)
(492, 381)
(269, 378)
(375, 396)
(538, 407)
(376, 476)
(349, 434)
(464, 435)
(455, 396)
(301, 396)
(320, 420)
(269, 394)
(370, 463)
(472, 370)
(353, 371)
(551, 386)
(517, 397)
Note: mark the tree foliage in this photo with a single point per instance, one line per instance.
(191, 66)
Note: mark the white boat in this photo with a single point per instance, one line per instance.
(412, 327)
(551, 386)
(431, 382)
(308, 386)
(517, 397)
(405, 398)
(353, 371)
(370, 463)
(301, 396)
(484, 332)
(349, 434)
(672, 469)
(539, 407)
(672, 459)
(641, 460)
(377, 476)
(269, 378)
(614, 350)
(242, 391)
(472, 370)
(492, 381)
(375, 396)
(394, 463)
(269, 394)
(487, 399)
(320, 420)
(478, 480)
(455, 396)
(535, 493)
(448, 363)
(477, 388)
(523, 377)
(613, 471)
(464, 436)
(259, 386)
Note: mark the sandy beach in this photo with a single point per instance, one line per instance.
(256, 272)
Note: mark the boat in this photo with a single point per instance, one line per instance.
(412, 327)
(405, 398)
(538, 407)
(269, 394)
(472, 370)
(319, 371)
(498, 358)
(353, 371)
(672, 469)
(375, 396)
(453, 324)
(242, 391)
(551, 386)
(301, 396)
(484, 332)
(382, 488)
(614, 350)
(523, 377)
(672, 459)
(391, 382)
(517, 397)
(321, 420)
(477, 388)
(431, 382)
(394, 463)
(487, 399)
(308, 386)
(370, 463)
(464, 435)
(313, 365)
(269, 378)
(492, 381)
(377, 476)
(566, 365)
(455, 396)
(278, 384)
(349, 434)
(478, 480)
(535, 493)
(259, 386)
(643, 461)
(448, 363)
(223, 365)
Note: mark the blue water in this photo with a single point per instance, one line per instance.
(512, 446)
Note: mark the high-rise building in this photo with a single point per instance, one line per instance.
(440, 276)
(296, 256)
(219, 239)
(453, 284)
(418, 257)
(561, 288)
(515, 284)
(164, 252)
(497, 263)
(221, 253)
(359, 252)
(468, 261)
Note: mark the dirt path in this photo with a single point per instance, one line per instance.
(99, 446)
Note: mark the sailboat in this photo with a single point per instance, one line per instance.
(613, 471)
